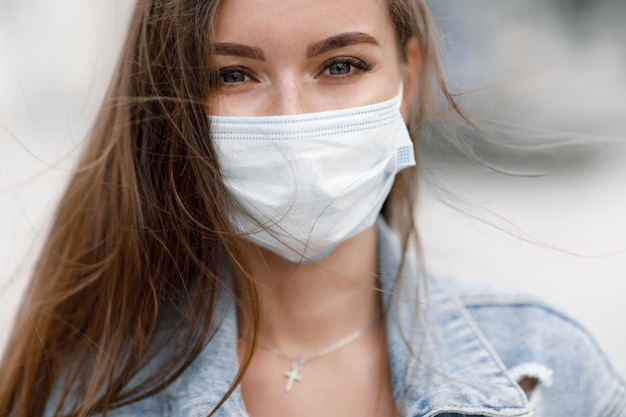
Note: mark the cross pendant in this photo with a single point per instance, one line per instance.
(293, 375)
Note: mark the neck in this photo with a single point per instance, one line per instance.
(307, 307)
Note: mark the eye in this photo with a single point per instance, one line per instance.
(344, 66)
(340, 68)
(234, 76)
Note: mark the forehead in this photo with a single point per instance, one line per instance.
(291, 21)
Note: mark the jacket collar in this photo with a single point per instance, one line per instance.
(440, 362)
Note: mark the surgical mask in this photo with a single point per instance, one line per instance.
(307, 182)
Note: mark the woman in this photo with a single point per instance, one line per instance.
(235, 263)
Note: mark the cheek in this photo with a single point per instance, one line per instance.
(238, 104)
(228, 105)
(375, 89)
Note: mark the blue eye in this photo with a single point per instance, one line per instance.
(345, 66)
(340, 68)
(233, 76)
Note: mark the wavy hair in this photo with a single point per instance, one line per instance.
(141, 247)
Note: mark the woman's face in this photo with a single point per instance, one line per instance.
(279, 57)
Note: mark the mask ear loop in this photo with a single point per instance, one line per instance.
(400, 97)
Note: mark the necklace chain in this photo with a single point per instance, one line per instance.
(298, 362)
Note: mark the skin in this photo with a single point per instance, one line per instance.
(276, 58)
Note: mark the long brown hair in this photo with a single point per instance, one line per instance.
(141, 248)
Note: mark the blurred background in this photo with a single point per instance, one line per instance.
(546, 77)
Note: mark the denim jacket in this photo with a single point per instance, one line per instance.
(467, 346)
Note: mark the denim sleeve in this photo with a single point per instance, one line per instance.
(154, 406)
(574, 377)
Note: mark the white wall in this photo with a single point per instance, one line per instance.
(56, 59)
(556, 75)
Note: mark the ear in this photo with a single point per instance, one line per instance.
(410, 75)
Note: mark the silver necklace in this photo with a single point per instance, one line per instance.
(293, 375)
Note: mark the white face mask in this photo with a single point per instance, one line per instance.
(310, 181)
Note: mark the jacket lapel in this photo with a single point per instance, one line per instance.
(440, 362)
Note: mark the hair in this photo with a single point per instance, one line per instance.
(141, 248)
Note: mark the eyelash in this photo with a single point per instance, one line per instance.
(360, 65)
(233, 70)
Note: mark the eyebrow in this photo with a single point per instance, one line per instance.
(236, 49)
(339, 41)
(317, 48)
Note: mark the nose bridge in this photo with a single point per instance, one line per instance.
(288, 97)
